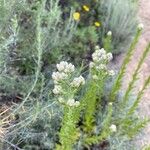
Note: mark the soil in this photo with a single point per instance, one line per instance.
(144, 108)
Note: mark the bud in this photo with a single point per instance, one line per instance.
(110, 103)
(113, 128)
(97, 47)
(109, 33)
(140, 26)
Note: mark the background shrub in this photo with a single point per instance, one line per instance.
(118, 16)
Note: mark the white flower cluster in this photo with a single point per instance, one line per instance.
(65, 67)
(100, 55)
(63, 76)
(58, 76)
(78, 82)
(100, 60)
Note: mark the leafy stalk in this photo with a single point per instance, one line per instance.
(90, 103)
(39, 53)
(134, 77)
(105, 132)
(139, 96)
(69, 132)
(117, 85)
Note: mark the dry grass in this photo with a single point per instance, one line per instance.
(4, 120)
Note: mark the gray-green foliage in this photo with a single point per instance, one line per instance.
(118, 16)
(33, 31)
(6, 8)
(19, 47)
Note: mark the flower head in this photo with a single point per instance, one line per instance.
(65, 67)
(86, 8)
(99, 64)
(69, 68)
(64, 81)
(97, 24)
(58, 76)
(61, 66)
(76, 16)
(99, 55)
(78, 81)
(92, 65)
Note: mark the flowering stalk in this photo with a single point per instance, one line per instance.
(98, 74)
(66, 84)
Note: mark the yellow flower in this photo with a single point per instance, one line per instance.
(97, 24)
(86, 8)
(76, 16)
